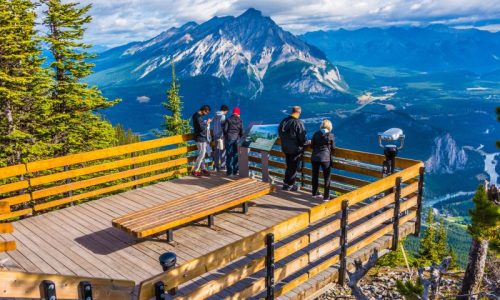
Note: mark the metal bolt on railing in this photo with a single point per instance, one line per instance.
(48, 290)
(86, 290)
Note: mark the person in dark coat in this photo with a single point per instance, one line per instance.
(292, 133)
(201, 129)
(233, 131)
(323, 145)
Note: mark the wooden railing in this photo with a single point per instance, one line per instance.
(305, 244)
(311, 242)
(41, 185)
(21, 285)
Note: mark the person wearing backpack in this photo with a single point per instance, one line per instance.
(219, 154)
(292, 133)
(323, 146)
(233, 131)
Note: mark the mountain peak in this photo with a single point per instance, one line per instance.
(252, 12)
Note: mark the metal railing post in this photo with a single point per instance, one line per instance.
(270, 266)
(343, 242)
(86, 290)
(420, 197)
(133, 154)
(243, 161)
(397, 204)
(48, 290)
(264, 156)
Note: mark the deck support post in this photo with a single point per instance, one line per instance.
(48, 289)
(420, 196)
(270, 266)
(243, 161)
(170, 235)
(211, 221)
(86, 290)
(397, 204)
(264, 157)
(343, 242)
(245, 207)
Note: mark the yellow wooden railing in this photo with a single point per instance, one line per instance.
(41, 185)
(306, 244)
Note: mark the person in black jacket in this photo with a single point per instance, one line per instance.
(233, 131)
(293, 139)
(201, 130)
(323, 145)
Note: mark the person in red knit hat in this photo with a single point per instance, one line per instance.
(233, 131)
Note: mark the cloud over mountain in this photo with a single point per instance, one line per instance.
(119, 21)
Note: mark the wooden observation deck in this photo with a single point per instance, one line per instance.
(55, 226)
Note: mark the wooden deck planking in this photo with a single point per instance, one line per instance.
(80, 240)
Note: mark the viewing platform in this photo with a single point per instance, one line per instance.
(57, 225)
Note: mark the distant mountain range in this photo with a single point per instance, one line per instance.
(434, 48)
(242, 60)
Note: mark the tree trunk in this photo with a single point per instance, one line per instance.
(475, 268)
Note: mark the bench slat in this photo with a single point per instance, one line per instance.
(190, 204)
(183, 210)
(194, 207)
(176, 201)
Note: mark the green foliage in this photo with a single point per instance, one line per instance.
(485, 217)
(74, 125)
(24, 84)
(396, 258)
(174, 123)
(441, 244)
(427, 253)
(454, 261)
(410, 290)
(124, 137)
(434, 245)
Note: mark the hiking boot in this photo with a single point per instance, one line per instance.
(205, 172)
(286, 187)
(295, 188)
(196, 173)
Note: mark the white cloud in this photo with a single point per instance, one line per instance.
(118, 22)
(143, 99)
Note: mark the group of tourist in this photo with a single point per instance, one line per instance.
(228, 131)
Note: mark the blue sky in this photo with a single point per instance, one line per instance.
(117, 22)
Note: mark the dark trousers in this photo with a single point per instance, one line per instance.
(292, 166)
(232, 157)
(325, 167)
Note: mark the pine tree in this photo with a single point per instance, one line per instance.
(124, 137)
(441, 245)
(75, 125)
(174, 123)
(453, 263)
(485, 226)
(24, 105)
(427, 253)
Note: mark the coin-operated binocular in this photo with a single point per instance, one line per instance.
(391, 140)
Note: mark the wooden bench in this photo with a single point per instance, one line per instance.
(180, 211)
